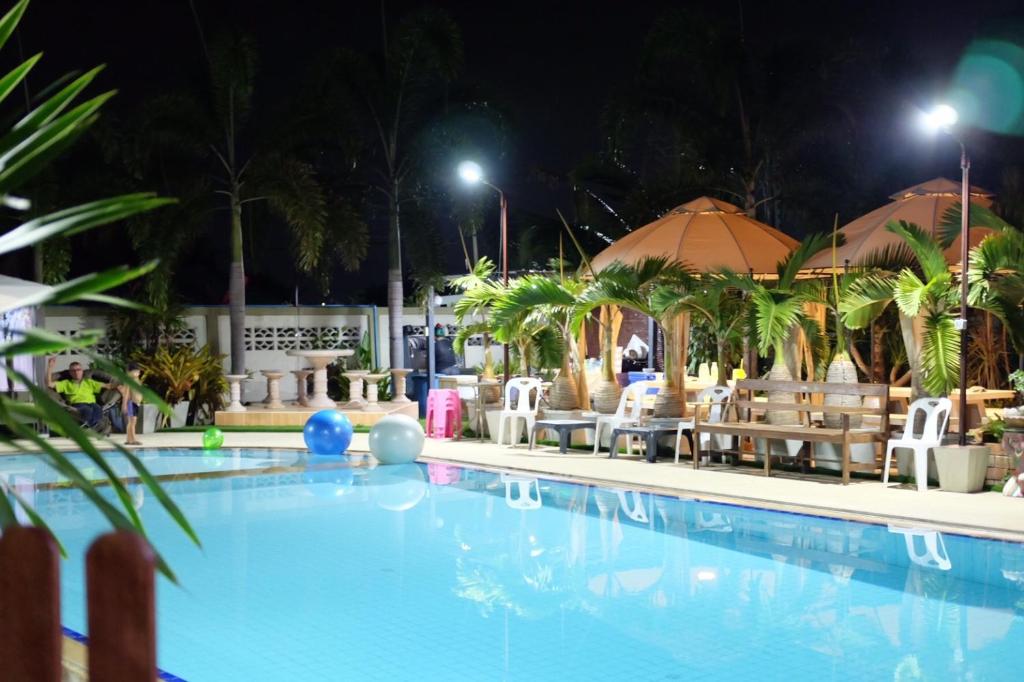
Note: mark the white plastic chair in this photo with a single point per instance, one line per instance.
(936, 411)
(524, 409)
(718, 396)
(934, 554)
(524, 497)
(635, 392)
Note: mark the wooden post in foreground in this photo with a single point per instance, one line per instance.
(30, 632)
(122, 615)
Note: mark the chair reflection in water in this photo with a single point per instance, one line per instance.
(521, 492)
(929, 552)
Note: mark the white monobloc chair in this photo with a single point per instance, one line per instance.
(524, 408)
(718, 397)
(635, 392)
(936, 418)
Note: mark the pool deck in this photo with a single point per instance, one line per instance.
(985, 514)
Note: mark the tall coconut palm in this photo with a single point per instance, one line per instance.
(555, 301)
(395, 94)
(927, 301)
(252, 162)
(637, 287)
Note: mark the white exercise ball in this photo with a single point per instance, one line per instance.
(396, 439)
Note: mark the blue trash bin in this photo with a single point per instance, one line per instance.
(418, 390)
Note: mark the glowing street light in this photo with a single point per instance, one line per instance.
(472, 174)
(943, 118)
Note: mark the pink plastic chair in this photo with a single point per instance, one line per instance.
(444, 413)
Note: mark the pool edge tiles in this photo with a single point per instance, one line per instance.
(791, 507)
(74, 658)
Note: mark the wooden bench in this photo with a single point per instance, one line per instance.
(805, 431)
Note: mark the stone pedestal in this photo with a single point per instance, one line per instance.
(398, 385)
(300, 382)
(273, 399)
(371, 392)
(235, 381)
(355, 388)
(319, 359)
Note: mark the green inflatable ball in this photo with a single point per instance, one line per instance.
(213, 438)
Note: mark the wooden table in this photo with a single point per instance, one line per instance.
(975, 402)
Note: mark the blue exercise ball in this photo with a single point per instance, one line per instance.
(396, 439)
(327, 432)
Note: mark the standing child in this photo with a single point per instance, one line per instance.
(130, 406)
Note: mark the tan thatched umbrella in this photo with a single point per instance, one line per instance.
(706, 234)
(923, 204)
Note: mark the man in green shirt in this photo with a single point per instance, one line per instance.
(80, 392)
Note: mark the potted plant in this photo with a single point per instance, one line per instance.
(172, 372)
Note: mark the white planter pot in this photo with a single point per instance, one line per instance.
(905, 464)
(962, 469)
(779, 448)
(830, 455)
(148, 417)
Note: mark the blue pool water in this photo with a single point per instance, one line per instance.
(433, 573)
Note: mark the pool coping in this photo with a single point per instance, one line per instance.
(987, 515)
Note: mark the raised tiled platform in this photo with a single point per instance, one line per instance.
(294, 415)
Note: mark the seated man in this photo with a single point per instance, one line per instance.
(80, 392)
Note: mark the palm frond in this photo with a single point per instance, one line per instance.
(909, 292)
(926, 248)
(775, 318)
(798, 257)
(866, 300)
(940, 355)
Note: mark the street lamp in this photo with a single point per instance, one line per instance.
(472, 174)
(942, 118)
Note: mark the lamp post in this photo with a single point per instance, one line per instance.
(942, 118)
(472, 174)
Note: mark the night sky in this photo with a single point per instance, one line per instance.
(551, 66)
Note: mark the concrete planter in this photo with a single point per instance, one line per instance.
(830, 455)
(148, 417)
(961, 469)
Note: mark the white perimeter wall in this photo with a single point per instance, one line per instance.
(270, 332)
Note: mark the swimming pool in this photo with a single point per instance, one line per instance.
(440, 573)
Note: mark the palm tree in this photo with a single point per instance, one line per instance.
(779, 320)
(927, 301)
(996, 271)
(528, 331)
(395, 97)
(713, 300)
(555, 301)
(30, 144)
(477, 306)
(251, 162)
(637, 287)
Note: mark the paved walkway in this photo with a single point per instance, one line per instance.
(984, 514)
